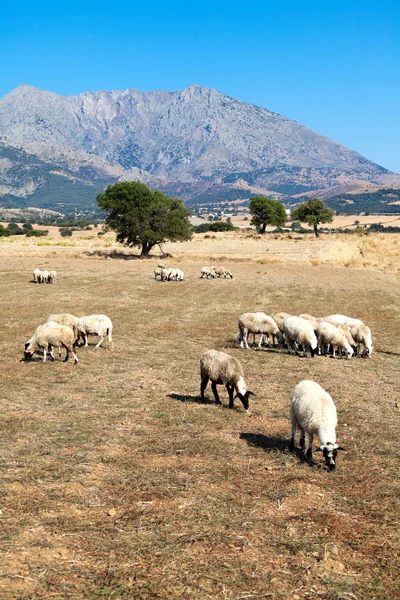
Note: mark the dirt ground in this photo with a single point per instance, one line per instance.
(117, 482)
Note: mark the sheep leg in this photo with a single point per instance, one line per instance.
(51, 352)
(340, 352)
(44, 355)
(310, 443)
(110, 340)
(302, 439)
(333, 352)
(269, 341)
(319, 344)
(230, 392)
(214, 389)
(291, 443)
(203, 386)
(304, 350)
(245, 340)
(100, 341)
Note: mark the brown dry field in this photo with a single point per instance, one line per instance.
(117, 482)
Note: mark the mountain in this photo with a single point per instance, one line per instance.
(196, 143)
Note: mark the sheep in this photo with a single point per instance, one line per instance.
(256, 323)
(44, 277)
(36, 275)
(279, 317)
(299, 331)
(161, 266)
(173, 275)
(223, 369)
(343, 320)
(312, 410)
(208, 273)
(222, 272)
(66, 319)
(48, 336)
(179, 275)
(344, 328)
(332, 335)
(311, 319)
(157, 272)
(362, 335)
(95, 325)
(52, 277)
(165, 273)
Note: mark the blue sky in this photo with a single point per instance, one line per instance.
(333, 66)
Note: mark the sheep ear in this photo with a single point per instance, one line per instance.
(319, 449)
(251, 393)
(341, 448)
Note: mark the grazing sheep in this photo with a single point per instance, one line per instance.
(223, 369)
(44, 277)
(254, 323)
(48, 336)
(173, 275)
(207, 272)
(312, 410)
(52, 277)
(311, 319)
(331, 335)
(279, 317)
(95, 325)
(66, 319)
(165, 273)
(362, 335)
(343, 320)
(222, 272)
(179, 275)
(344, 328)
(299, 331)
(36, 274)
(158, 273)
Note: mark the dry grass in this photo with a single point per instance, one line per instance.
(118, 483)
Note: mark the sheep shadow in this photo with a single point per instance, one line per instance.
(190, 398)
(389, 352)
(274, 443)
(119, 255)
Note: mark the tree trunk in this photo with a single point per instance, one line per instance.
(263, 227)
(146, 247)
(316, 231)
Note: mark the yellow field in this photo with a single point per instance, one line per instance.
(117, 482)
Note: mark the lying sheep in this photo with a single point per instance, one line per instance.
(312, 410)
(48, 336)
(207, 272)
(222, 272)
(100, 325)
(254, 323)
(299, 331)
(279, 317)
(362, 335)
(223, 369)
(331, 335)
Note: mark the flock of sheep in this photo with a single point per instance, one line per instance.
(44, 276)
(66, 331)
(312, 409)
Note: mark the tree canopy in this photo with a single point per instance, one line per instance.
(313, 213)
(144, 217)
(265, 212)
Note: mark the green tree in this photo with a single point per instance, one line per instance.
(65, 232)
(265, 212)
(313, 213)
(143, 217)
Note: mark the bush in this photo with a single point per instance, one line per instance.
(36, 233)
(215, 226)
(65, 232)
(3, 231)
(15, 229)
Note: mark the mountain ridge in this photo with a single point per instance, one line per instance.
(191, 141)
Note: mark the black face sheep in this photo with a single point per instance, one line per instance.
(223, 369)
(312, 410)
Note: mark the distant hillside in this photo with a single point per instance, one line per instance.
(382, 201)
(195, 143)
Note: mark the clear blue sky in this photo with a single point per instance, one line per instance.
(333, 66)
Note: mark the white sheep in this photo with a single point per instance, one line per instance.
(299, 331)
(100, 325)
(255, 323)
(66, 319)
(223, 369)
(344, 328)
(312, 410)
(343, 320)
(36, 275)
(311, 319)
(48, 336)
(44, 277)
(362, 335)
(222, 272)
(180, 275)
(52, 277)
(157, 272)
(331, 335)
(279, 317)
(208, 273)
(165, 273)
